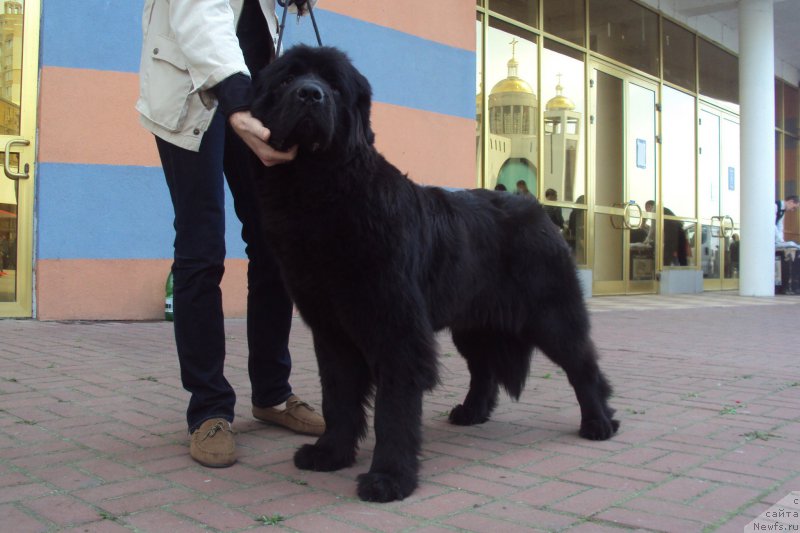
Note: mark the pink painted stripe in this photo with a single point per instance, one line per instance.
(433, 149)
(450, 22)
(120, 289)
(87, 117)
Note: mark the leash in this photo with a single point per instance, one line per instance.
(285, 5)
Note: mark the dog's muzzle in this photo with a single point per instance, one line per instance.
(310, 93)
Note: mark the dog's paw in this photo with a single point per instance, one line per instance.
(461, 416)
(599, 428)
(321, 459)
(381, 487)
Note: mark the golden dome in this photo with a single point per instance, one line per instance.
(512, 85)
(560, 101)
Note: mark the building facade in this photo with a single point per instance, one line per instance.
(609, 103)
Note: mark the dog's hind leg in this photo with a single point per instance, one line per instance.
(346, 384)
(477, 347)
(494, 359)
(566, 342)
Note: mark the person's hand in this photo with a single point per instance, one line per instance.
(255, 135)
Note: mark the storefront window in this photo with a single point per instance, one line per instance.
(524, 11)
(678, 149)
(791, 109)
(719, 76)
(791, 225)
(778, 104)
(479, 96)
(513, 109)
(679, 56)
(564, 111)
(625, 31)
(778, 144)
(566, 19)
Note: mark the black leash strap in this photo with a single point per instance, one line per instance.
(285, 5)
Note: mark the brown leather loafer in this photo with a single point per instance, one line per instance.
(298, 416)
(212, 444)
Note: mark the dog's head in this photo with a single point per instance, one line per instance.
(316, 99)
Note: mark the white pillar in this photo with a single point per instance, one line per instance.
(757, 148)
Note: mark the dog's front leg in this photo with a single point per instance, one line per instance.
(346, 383)
(398, 419)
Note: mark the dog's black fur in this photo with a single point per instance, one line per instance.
(376, 265)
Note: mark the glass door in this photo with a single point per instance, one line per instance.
(623, 129)
(19, 52)
(718, 198)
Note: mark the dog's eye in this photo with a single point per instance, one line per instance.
(287, 80)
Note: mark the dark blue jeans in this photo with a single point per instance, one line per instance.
(195, 181)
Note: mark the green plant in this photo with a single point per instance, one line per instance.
(272, 520)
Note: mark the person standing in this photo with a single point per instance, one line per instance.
(198, 60)
(781, 207)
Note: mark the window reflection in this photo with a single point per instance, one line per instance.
(479, 100)
(566, 19)
(562, 90)
(625, 31)
(10, 94)
(678, 149)
(719, 75)
(791, 224)
(524, 11)
(679, 55)
(10, 66)
(791, 109)
(513, 109)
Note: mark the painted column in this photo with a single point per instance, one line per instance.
(757, 100)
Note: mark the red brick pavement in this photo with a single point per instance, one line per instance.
(92, 434)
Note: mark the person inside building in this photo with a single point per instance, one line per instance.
(789, 204)
(522, 189)
(553, 211)
(676, 244)
(198, 60)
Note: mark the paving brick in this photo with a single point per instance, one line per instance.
(444, 504)
(314, 523)
(160, 520)
(547, 493)
(470, 521)
(590, 502)
(643, 520)
(523, 514)
(16, 520)
(63, 510)
(215, 515)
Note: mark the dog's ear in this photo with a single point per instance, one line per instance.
(361, 131)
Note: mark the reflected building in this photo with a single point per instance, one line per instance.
(10, 66)
(562, 134)
(512, 143)
(513, 136)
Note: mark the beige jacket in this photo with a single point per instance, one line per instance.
(188, 47)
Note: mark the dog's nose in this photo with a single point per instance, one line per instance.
(310, 93)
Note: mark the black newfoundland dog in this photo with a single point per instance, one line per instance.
(376, 265)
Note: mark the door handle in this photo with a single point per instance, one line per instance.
(727, 231)
(627, 217)
(10, 174)
(716, 231)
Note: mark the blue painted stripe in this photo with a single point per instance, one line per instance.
(111, 212)
(403, 69)
(92, 34)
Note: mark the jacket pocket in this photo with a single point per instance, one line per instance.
(166, 85)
